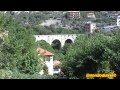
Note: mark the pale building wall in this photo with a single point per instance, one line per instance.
(56, 72)
(91, 15)
(73, 14)
(118, 21)
(50, 65)
(92, 27)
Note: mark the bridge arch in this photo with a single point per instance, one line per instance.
(43, 44)
(56, 44)
(68, 41)
(42, 40)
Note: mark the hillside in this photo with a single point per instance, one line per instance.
(49, 20)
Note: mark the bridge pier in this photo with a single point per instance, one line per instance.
(62, 43)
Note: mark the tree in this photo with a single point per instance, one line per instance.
(65, 48)
(20, 51)
(88, 54)
(43, 44)
(114, 54)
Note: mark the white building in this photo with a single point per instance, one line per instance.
(47, 58)
(90, 27)
(73, 14)
(118, 21)
(91, 15)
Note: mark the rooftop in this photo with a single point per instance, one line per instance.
(44, 52)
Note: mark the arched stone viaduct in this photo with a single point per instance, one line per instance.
(62, 38)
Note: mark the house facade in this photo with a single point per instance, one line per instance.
(48, 60)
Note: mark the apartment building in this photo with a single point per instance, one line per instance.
(73, 14)
(90, 27)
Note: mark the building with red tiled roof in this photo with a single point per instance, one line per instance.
(51, 64)
(47, 58)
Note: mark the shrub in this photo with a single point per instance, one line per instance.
(5, 74)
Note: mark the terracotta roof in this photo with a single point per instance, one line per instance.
(44, 52)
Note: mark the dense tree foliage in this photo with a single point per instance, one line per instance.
(18, 52)
(92, 54)
(43, 44)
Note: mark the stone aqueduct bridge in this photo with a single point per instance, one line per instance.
(62, 38)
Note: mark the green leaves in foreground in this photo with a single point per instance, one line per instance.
(20, 51)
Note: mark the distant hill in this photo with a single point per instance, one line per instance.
(35, 18)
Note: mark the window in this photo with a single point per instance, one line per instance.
(47, 58)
